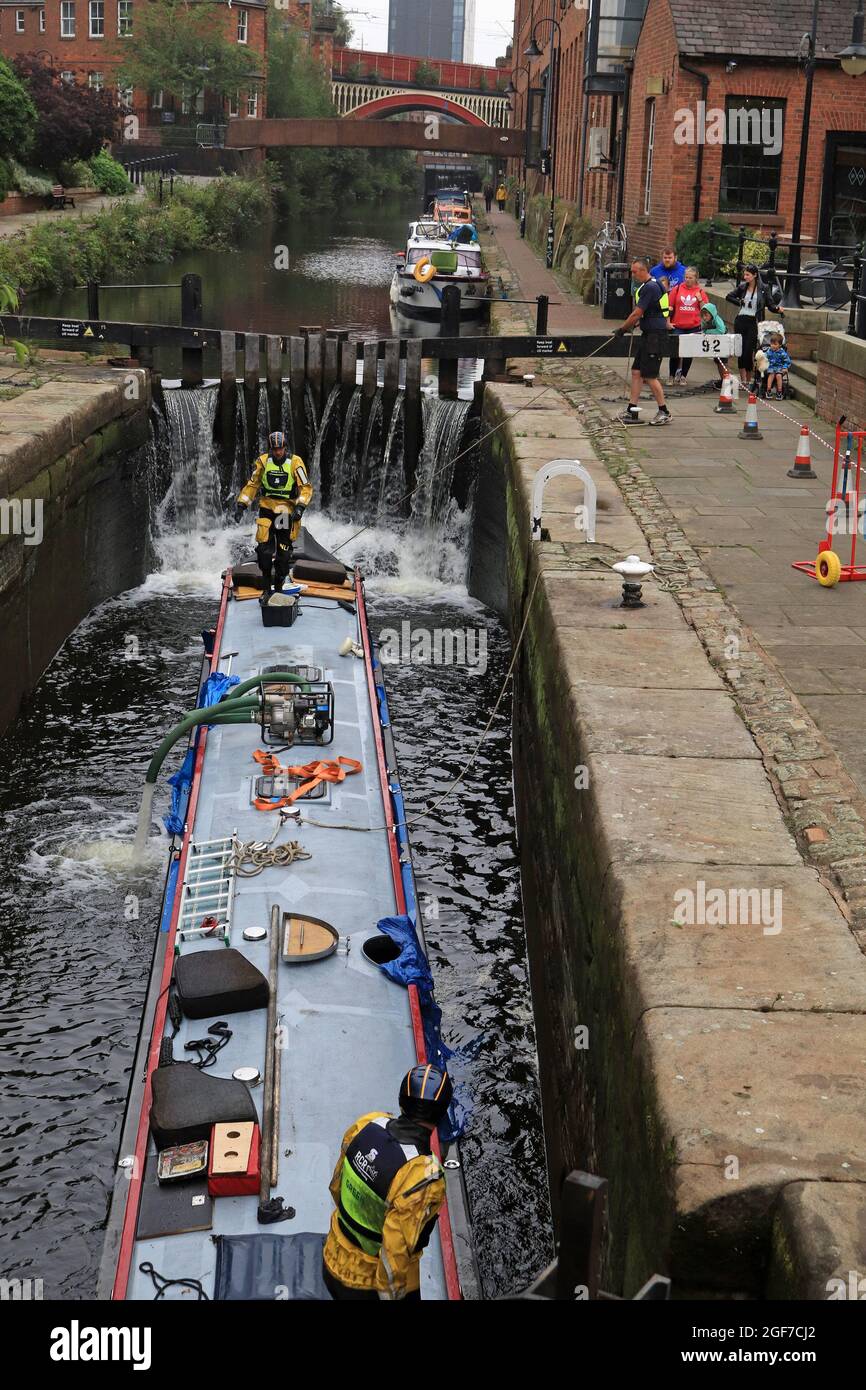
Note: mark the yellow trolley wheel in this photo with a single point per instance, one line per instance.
(424, 270)
(828, 568)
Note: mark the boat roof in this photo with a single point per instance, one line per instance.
(349, 1028)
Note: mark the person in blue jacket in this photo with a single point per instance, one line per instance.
(669, 268)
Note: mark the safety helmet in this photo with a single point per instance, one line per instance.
(277, 442)
(425, 1093)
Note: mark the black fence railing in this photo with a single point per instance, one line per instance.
(824, 284)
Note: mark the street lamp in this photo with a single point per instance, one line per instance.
(853, 58)
(511, 91)
(853, 61)
(533, 51)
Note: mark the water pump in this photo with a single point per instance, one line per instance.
(292, 715)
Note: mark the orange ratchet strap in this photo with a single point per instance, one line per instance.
(329, 770)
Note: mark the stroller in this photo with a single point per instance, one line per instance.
(769, 328)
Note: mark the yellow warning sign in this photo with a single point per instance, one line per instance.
(88, 333)
(562, 348)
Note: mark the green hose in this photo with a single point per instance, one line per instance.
(233, 712)
(270, 678)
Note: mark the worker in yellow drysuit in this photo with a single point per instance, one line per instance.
(387, 1188)
(285, 493)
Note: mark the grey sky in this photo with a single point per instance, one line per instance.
(493, 25)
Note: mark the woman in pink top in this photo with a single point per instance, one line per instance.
(686, 301)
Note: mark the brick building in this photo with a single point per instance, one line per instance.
(742, 58)
(688, 61)
(84, 38)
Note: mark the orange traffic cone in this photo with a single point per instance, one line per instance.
(803, 458)
(750, 424)
(726, 397)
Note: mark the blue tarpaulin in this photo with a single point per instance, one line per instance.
(180, 784)
(214, 688)
(411, 968)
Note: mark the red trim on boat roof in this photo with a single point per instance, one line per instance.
(130, 1215)
(446, 1238)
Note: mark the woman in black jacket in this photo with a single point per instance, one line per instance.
(753, 298)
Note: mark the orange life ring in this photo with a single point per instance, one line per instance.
(424, 270)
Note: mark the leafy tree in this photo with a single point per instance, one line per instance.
(343, 31)
(18, 116)
(73, 121)
(181, 47)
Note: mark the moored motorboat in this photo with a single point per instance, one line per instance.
(289, 990)
(428, 266)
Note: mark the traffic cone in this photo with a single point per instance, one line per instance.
(750, 424)
(803, 458)
(726, 397)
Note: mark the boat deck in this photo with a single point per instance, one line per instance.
(348, 1029)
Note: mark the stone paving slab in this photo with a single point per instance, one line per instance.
(737, 960)
(662, 724)
(688, 810)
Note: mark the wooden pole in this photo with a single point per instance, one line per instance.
(228, 395)
(191, 311)
(297, 378)
(274, 378)
(450, 328)
(412, 411)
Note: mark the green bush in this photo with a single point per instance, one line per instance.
(5, 179)
(18, 117)
(116, 241)
(693, 243)
(108, 176)
(75, 173)
(32, 185)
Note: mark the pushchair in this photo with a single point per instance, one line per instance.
(768, 329)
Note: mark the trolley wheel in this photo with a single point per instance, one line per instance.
(828, 568)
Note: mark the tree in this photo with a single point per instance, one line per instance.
(180, 47)
(426, 75)
(72, 121)
(18, 116)
(342, 30)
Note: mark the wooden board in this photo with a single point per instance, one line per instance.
(230, 1148)
(306, 939)
(345, 592)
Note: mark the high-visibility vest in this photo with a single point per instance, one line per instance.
(278, 479)
(370, 1165)
(664, 301)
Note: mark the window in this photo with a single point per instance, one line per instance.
(235, 104)
(252, 105)
(650, 141)
(156, 100)
(42, 21)
(124, 18)
(751, 155)
(243, 25)
(96, 80)
(67, 77)
(19, 21)
(67, 19)
(97, 19)
(124, 97)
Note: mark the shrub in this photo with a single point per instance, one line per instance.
(107, 174)
(426, 76)
(5, 179)
(75, 173)
(30, 184)
(693, 243)
(74, 120)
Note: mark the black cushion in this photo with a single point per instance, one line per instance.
(219, 981)
(186, 1102)
(319, 571)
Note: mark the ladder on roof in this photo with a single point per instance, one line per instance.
(208, 890)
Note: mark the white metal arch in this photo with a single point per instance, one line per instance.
(560, 468)
(490, 107)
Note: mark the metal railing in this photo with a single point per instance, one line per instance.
(833, 275)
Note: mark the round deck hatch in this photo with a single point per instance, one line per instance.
(380, 949)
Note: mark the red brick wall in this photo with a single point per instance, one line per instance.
(83, 55)
(397, 67)
(840, 393)
(838, 103)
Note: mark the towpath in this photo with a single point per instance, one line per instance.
(704, 496)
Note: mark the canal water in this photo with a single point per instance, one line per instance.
(77, 921)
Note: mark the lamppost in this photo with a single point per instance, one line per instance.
(853, 62)
(511, 91)
(533, 51)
